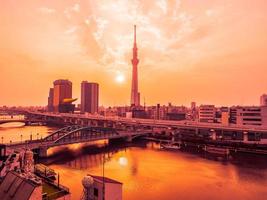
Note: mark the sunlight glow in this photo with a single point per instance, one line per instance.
(123, 161)
(120, 78)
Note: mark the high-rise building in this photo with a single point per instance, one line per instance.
(135, 95)
(62, 91)
(50, 107)
(89, 97)
(263, 100)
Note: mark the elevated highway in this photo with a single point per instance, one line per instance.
(246, 134)
(79, 128)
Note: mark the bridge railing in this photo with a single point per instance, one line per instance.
(25, 142)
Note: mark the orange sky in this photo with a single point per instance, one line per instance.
(208, 51)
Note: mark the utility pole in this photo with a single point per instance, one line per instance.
(103, 172)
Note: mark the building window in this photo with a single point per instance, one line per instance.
(252, 119)
(95, 192)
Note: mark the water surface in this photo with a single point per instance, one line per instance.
(148, 172)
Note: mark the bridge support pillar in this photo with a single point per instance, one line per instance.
(213, 134)
(43, 152)
(105, 124)
(129, 139)
(245, 136)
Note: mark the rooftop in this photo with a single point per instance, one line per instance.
(53, 191)
(106, 180)
(16, 187)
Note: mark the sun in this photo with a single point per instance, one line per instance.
(120, 78)
(123, 161)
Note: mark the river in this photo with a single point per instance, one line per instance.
(147, 172)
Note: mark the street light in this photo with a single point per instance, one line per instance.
(21, 138)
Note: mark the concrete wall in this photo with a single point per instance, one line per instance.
(113, 191)
(36, 194)
(225, 118)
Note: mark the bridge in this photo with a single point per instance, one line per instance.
(73, 134)
(81, 128)
(12, 111)
(20, 120)
(234, 133)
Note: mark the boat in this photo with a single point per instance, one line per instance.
(170, 146)
(217, 150)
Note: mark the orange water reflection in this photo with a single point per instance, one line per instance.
(16, 132)
(150, 173)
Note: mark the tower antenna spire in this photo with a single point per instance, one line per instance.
(135, 95)
(135, 34)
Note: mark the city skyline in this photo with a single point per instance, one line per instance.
(132, 99)
(203, 52)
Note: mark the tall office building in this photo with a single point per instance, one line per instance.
(135, 95)
(62, 91)
(89, 97)
(50, 107)
(263, 100)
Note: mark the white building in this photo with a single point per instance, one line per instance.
(206, 113)
(249, 115)
(95, 187)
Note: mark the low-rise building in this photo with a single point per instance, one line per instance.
(20, 182)
(225, 115)
(15, 186)
(249, 115)
(207, 113)
(263, 100)
(97, 187)
(176, 116)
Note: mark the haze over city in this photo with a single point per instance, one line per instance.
(133, 100)
(204, 51)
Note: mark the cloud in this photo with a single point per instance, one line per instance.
(162, 4)
(101, 24)
(67, 13)
(46, 10)
(110, 30)
(210, 12)
(165, 28)
(76, 7)
(70, 10)
(71, 30)
(87, 21)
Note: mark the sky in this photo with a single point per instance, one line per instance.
(207, 51)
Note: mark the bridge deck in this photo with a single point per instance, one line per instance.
(155, 123)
